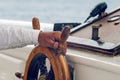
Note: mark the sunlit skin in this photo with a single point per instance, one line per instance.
(50, 39)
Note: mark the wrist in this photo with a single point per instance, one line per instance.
(39, 36)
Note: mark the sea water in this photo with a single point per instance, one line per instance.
(51, 11)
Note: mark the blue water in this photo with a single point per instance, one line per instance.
(51, 11)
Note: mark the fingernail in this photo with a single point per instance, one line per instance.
(55, 45)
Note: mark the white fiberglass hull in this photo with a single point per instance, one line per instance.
(87, 65)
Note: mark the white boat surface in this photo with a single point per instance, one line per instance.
(88, 65)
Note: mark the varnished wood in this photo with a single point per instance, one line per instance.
(56, 58)
(36, 26)
(109, 41)
(64, 37)
(58, 62)
(108, 32)
(35, 23)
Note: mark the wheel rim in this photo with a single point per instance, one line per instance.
(57, 61)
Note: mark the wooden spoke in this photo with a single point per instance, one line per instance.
(55, 57)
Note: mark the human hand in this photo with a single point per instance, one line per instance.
(50, 39)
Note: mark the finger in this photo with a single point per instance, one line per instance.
(52, 44)
(57, 35)
(62, 48)
(55, 45)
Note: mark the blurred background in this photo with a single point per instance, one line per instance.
(51, 11)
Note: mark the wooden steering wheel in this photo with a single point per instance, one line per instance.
(35, 66)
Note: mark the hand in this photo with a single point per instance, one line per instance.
(49, 39)
(52, 40)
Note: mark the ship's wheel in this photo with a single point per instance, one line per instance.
(36, 68)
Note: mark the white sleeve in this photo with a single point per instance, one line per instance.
(11, 37)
